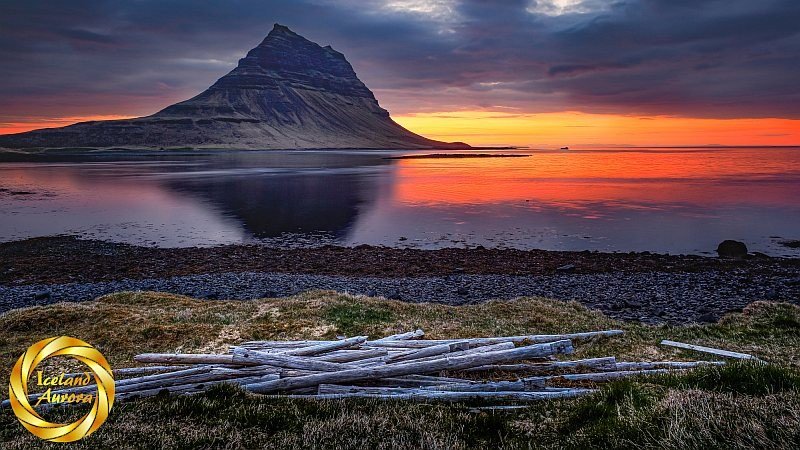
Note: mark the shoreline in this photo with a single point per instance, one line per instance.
(63, 259)
(643, 287)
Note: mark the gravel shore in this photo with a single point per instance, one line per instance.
(654, 297)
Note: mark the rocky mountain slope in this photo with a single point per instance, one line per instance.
(287, 93)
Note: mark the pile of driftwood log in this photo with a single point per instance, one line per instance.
(401, 366)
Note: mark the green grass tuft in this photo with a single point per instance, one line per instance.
(349, 319)
(747, 378)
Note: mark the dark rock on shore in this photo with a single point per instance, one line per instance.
(732, 249)
(791, 244)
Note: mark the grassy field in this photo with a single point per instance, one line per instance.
(737, 406)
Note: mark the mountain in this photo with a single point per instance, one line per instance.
(287, 93)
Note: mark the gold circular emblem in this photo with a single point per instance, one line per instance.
(83, 352)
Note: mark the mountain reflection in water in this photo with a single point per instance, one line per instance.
(665, 200)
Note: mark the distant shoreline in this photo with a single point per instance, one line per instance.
(34, 154)
(455, 156)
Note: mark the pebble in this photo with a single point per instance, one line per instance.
(567, 268)
(653, 297)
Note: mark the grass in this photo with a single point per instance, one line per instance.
(741, 405)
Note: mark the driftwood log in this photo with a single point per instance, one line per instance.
(402, 366)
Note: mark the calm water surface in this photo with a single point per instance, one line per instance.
(663, 200)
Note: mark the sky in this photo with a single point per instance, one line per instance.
(515, 72)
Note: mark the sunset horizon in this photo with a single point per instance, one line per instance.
(497, 128)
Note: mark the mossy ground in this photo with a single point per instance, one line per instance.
(738, 406)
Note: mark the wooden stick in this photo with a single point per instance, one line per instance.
(474, 342)
(477, 342)
(603, 376)
(127, 371)
(451, 396)
(244, 356)
(185, 358)
(480, 409)
(483, 349)
(486, 348)
(713, 351)
(403, 336)
(411, 382)
(327, 347)
(466, 386)
(413, 367)
(190, 388)
(594, 363)
(343, 356)
(624, 365)
(433, 350)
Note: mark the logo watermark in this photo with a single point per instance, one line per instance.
(62, 389)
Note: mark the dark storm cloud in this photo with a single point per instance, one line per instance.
(704, 58)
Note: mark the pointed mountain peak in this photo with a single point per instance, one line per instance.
(281, 29)
(287, 92)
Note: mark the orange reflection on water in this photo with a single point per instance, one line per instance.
(628, 177)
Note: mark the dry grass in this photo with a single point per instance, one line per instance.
(667, 412)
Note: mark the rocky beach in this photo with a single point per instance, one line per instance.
(645, 287)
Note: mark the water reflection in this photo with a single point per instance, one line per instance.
(679, 201)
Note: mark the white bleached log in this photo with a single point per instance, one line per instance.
(346, 356)
(281, 344)
(464, 386)
(433, 350)
(184, 358)
(413, 367)
(403, 336)
(192, 388)
(129, 371)
(713, 351)
(604, 376)
(526, 384)
(326, 347)
(626, 365)
(483, 349)
(414, 383)
(474, 342)
(480, 409)
(593, 363)
(452, 396)
(244, 356)
(477, 342)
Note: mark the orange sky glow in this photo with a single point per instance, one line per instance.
(582, 129)
(555, 129)
(35, 124)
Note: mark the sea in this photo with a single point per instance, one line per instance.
(664, 200)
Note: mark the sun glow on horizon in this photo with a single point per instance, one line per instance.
(556, 129)
(575, 128)
(21, 126)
